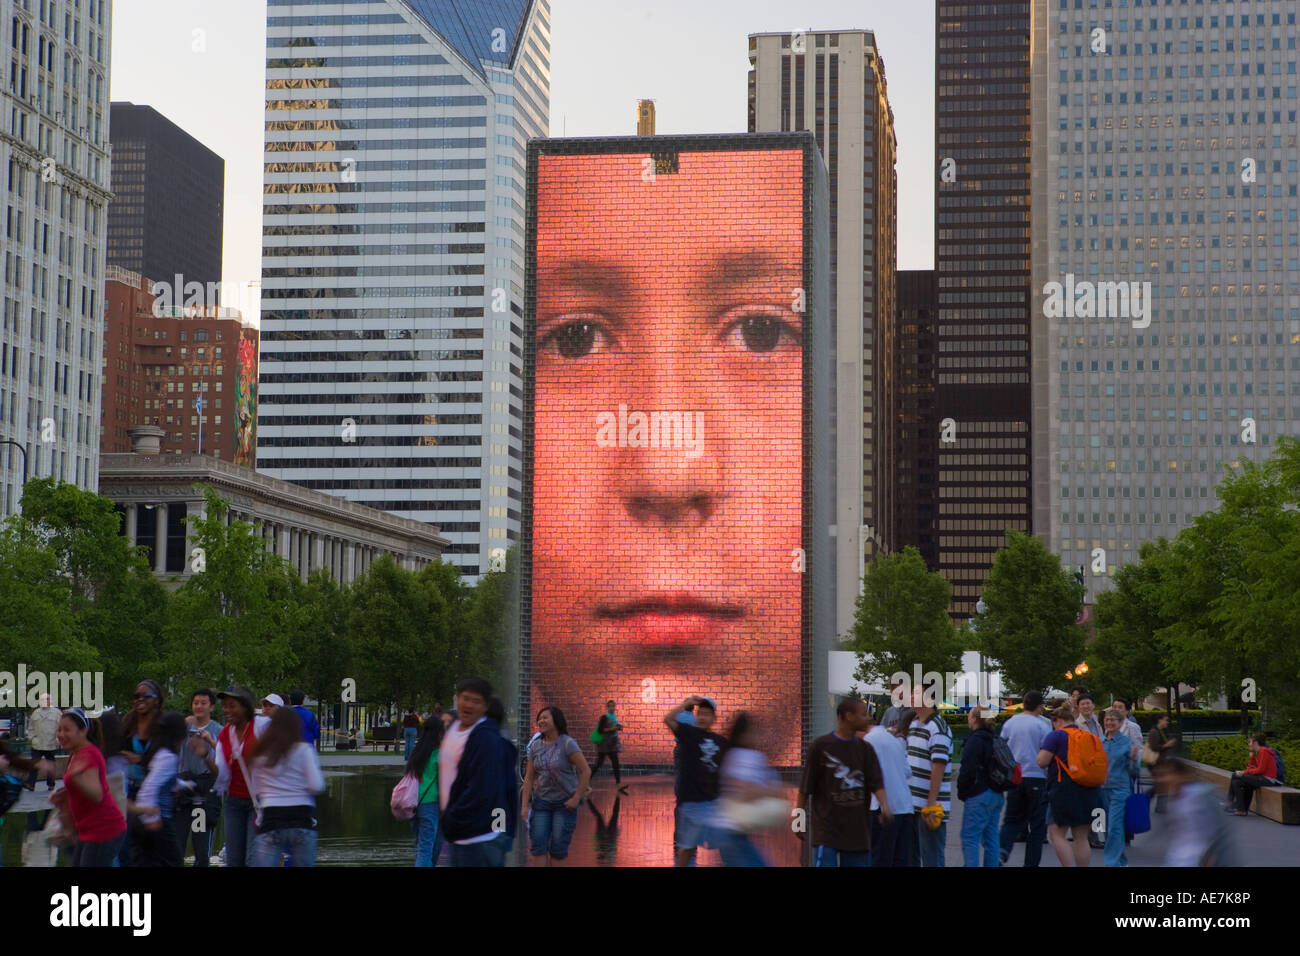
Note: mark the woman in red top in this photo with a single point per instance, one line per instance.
(100, 824)
(1261, 771)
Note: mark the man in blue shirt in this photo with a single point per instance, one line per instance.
(310, 726)
(1026, 806)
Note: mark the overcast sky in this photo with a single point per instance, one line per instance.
(201, 63)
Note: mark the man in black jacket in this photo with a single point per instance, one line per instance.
(477, 781)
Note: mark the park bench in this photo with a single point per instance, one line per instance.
(1279, 804)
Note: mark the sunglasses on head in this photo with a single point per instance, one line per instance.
(146, 696)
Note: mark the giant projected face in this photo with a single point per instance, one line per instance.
(667, 469)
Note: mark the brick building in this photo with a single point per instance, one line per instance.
(157, 365)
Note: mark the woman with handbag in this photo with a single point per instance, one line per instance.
(423, 766)
(100, 826)
(241, 728)
(751, 797)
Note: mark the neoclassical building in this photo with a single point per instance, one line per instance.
(157, 492)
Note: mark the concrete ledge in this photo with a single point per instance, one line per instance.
(1279, 804)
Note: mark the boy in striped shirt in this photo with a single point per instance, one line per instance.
(929, 753)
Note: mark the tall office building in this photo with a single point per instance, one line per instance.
(1166, 264)
(834, 85)
(392, 271)
(982, 237)
(916, 470)
(54, 154)
(168, 189)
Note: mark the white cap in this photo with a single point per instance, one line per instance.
(273, 699)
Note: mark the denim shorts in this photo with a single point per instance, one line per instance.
(695, 823)
(550, 828)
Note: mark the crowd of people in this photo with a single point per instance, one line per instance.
(147, 789)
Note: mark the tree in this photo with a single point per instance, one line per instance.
(902, 620)
(1032, 605)
(493, 626)
(1129, 657)
(323, 644)
(236, 619)
(397, 656)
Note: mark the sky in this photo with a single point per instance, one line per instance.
(201, 63)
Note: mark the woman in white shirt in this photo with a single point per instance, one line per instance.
(751, 797)
(286, 778)
(153, 834)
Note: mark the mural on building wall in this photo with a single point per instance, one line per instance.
(246, 404)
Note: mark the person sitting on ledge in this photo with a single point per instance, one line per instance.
(1260, 772)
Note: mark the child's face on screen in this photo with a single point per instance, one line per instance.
(668, 437)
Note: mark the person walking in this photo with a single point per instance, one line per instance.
(152, 811)
(1122, 768)
(1071, 803)
(477, 781)
(198, 807)
(608, 744)
(410, 732)
(137, 728)
(1197, 833)
(929, 752)
(286, 777)
(892, 845)
(85, 796)
(840, 774)
(983, 804)
(695, 785)
(423, 765)
(1026, 803)
(554, 782)
(310, 725)
(748, 791)
(242, 727)
(43, 733)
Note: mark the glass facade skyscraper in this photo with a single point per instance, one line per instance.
(1167, 217)
(392, 278)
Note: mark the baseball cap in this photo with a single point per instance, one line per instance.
(273, 699)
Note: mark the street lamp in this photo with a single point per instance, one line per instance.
(23, 449)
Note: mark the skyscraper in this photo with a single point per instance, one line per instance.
(54, 151)
(168, 191)
(1166, 264)
(834, 85)
(393, 225)
(916, 470)
(982, 237)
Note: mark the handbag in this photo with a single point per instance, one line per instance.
(1149, 756)
(753, 815)
(1137, 813)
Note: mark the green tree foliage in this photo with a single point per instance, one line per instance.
(1129, 658)
(236, 619)
(323, 645)
(1029, 626)
(902, 619)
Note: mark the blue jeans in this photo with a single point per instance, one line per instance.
(409, 734)
(239, 830)
(101, 854)
(1113, 799)
(488, 853)
(930, 843)
(268, 847)
(829, 856)
(428, 835)
(1026, 809)
(979, 825)
(550, 828)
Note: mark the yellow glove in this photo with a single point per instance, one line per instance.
(932, 816)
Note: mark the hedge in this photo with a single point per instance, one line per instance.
(1233, 753)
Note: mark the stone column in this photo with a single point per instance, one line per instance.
(349, 562)
(160, 539)
(195, 510)
(132, 519)
(282, 541)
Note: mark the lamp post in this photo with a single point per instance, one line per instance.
(23, 449)
(980, 608)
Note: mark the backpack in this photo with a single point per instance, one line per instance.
(1001, 769)
(1087, 764)
(406, 796)
(11, 788)
(1281, 767)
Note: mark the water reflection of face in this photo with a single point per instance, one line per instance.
(664, 571)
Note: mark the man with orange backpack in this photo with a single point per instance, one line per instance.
(1076, 769)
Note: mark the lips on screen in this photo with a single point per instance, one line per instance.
(668, 427)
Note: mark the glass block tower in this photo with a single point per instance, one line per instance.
(392, 276)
